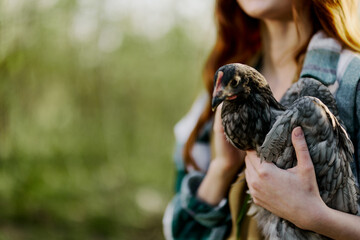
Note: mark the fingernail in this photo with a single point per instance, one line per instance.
(298, 132)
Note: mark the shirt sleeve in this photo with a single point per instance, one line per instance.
(195, 219)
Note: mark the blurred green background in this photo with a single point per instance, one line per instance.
(89, 94)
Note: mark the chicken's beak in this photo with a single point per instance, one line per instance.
(216, 100)
(218, 94)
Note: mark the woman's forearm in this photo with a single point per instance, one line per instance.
(336, 224)
(223, 168)
(216, 183)
(293, 194)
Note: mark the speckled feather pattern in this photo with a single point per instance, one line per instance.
(258, 122)
(234, 115)
(310, 87)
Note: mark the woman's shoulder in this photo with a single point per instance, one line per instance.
(337, 67)
(201, 151)
(329, 61)
(185, 126)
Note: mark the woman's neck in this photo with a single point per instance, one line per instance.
(281, 42)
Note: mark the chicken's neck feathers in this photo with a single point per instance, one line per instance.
(251, 119)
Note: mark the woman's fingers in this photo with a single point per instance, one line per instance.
(302, 151)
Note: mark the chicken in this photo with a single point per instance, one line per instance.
(254, 120)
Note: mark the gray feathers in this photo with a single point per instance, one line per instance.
(255, 120)
(330, 149)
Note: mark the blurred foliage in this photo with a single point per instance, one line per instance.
(85, 129)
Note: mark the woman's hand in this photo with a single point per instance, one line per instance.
(223, 168)
(291, 194)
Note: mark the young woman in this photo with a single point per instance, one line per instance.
(284, 40)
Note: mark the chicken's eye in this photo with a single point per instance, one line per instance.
(233, 83)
